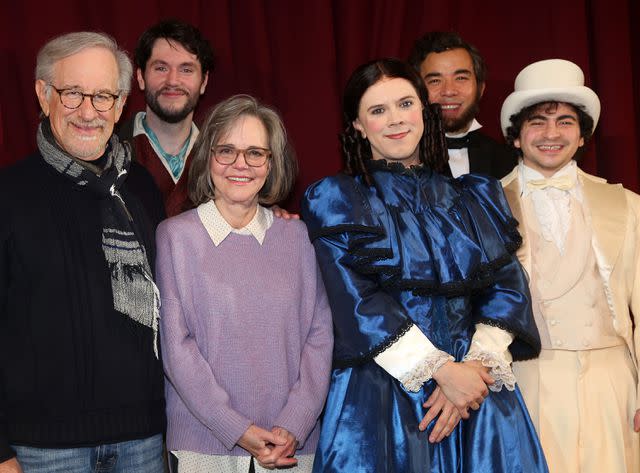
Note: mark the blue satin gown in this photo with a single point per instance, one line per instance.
(418, 248)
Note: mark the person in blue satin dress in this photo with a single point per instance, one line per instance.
(429, 303)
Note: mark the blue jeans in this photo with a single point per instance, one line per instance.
(135, 456)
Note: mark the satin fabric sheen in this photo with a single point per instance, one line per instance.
(418, 248)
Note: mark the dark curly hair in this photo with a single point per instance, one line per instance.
(356, 150)
(518, 119)
(440, 41)
(187, 35)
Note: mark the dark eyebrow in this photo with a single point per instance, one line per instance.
(564, 117)
(182, 64)
(537, 117)
(375, 106)
(455, 73)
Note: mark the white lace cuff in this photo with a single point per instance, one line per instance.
(424, 371)
(412, 359)
(499, 369)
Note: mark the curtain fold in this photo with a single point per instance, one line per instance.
(297, 56)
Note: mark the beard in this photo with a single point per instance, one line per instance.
(457, 124)
(170, 115)
(85, 148)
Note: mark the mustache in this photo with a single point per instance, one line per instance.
(96, 122)
(171, 89)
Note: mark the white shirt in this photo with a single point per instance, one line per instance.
(459, 158)
(552, 206)
(219, 229)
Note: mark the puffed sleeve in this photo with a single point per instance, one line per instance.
(505, 302)
(369, 324)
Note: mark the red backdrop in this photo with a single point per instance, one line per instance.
(297, 55)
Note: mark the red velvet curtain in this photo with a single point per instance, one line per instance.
(297, 55)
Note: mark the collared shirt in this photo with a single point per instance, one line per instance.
(218, 228)
(459, 158)
(552, 206)
(138, 129)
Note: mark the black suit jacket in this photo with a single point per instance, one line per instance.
(487, 156)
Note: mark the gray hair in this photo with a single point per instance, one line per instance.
(69, 44)
(220, 120)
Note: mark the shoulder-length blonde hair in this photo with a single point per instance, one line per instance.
(283, 166)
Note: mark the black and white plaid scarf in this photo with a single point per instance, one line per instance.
(134, 292)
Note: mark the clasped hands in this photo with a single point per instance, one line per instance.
(272, 449)
(461, 386)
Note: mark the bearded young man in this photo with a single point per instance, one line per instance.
(173, 62)
(454, 73)
(581, 249)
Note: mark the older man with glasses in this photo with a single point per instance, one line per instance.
(81, 387)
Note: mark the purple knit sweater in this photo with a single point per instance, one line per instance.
(246, 334)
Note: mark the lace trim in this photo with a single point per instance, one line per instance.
(395, 167)
(375, 232)
(360, 360)
(483, 277)
(424, 371)
(524, 346)
(499, 369)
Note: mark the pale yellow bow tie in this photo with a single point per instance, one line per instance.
(561, 182)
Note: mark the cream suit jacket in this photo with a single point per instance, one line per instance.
(615, 218)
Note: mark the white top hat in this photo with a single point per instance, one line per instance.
(552, 80)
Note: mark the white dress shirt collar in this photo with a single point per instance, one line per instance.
(475, 125)
(219, 229)
(459, 158)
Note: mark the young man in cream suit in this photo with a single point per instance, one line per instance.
(582, 253)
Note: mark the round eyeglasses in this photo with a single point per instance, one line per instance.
(254, 156)
(72, 98)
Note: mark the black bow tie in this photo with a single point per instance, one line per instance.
(458, 143)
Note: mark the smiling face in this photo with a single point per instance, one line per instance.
(82, 132)
(452, 83)
(390, 117)
(238, 184)
(550, 138)
(172, 81)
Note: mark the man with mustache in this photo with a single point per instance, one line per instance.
(81, 387)
(173, 62)
(454, 73)
(581, 250)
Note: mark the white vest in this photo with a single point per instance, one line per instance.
(568, 297)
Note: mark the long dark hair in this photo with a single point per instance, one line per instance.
(356, 150)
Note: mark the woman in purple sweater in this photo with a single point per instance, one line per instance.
(245, 325)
